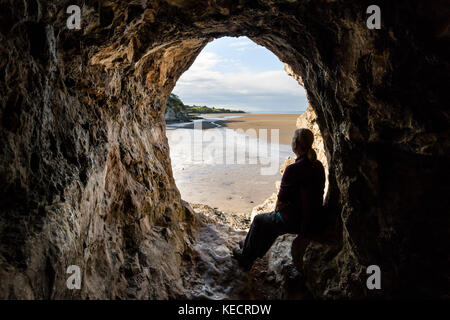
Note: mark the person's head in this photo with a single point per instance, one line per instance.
(302, 143)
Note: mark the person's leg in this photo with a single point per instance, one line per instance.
(263, 232)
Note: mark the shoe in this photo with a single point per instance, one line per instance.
(244, 263)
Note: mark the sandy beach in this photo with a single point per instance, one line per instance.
(228, 187)
(285, 123)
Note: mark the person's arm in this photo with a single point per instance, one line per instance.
(280, 206)
(286, 187)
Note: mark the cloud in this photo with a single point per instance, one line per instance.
(243, 43)
(219, 81)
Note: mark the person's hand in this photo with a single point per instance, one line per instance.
(280, 206)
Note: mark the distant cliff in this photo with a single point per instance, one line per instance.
(177, 111)
(205, 109)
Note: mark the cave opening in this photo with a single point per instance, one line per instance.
(86, 172)
(231, 191)
(235, 84)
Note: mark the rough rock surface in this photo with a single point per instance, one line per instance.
(85, 171)
(173, 116)
(209, 271)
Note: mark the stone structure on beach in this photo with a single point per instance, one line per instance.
(85, 171)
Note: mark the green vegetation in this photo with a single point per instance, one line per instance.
(205, 109)
(174, 103)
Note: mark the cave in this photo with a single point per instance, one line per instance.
(86, 177)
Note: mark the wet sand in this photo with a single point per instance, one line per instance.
(285, 123)
(236, 189)
(230, 187)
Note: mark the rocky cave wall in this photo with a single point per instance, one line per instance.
(85, 169)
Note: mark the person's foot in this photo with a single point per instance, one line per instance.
(241, 259)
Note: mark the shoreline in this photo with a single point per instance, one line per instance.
(285, 123)
(233, 187)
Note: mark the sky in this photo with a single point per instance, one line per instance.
(237, 73)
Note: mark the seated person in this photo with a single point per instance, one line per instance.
(300, 197)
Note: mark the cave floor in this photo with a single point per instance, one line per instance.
(212, 273)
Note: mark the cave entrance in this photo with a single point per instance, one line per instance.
(230, 120)
(86, 174)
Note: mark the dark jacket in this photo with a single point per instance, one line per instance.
(302, 187)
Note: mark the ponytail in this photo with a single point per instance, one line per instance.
(311, 154)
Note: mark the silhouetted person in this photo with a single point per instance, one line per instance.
(300, 197)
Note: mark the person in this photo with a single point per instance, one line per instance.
(300, 197)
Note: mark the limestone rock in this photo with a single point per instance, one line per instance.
(85, 169)
(173, 116)
(209, 271)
